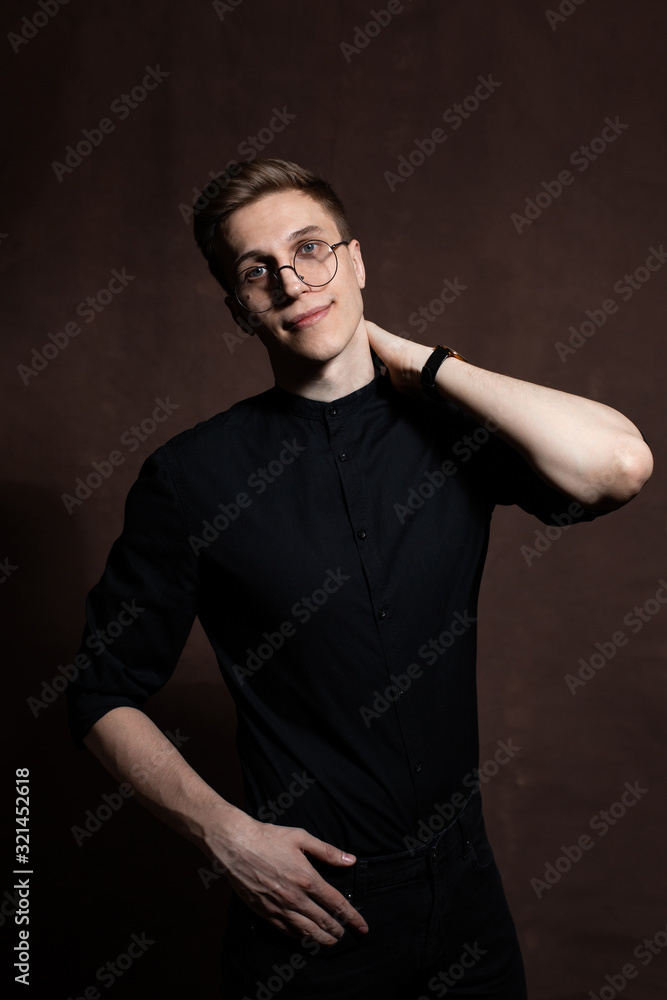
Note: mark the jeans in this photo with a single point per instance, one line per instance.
(439, 926)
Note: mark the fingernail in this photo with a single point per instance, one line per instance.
(348, 859)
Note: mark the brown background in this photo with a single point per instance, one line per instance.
(164, 336)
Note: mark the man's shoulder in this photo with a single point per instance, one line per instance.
(217, 434)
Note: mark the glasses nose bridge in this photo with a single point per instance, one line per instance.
(290, 267)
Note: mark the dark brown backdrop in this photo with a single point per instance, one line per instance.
(355, 111)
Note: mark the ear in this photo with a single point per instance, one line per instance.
(358, 263)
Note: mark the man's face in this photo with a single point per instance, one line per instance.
(312, 324)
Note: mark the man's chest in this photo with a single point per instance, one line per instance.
(306, 513)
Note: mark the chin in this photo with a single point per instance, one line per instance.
(316, 346)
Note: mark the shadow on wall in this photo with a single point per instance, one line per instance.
(113, 892)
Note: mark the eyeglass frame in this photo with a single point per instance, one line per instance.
(276, 274)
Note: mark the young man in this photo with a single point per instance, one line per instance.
(330, 534)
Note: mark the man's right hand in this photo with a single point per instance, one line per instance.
(267, 867)
(266, 864)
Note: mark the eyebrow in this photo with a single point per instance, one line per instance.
(298, 234)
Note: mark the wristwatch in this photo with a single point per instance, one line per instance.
(440, 354)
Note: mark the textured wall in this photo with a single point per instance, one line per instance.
(354, 103)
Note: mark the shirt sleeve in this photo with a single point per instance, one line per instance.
(139, 615)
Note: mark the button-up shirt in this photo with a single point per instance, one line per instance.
(333, 553)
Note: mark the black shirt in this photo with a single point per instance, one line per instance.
(333, 553)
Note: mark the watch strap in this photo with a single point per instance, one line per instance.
(429, 371)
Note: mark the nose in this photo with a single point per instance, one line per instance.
(291, 283)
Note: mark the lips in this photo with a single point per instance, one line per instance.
(308, 318)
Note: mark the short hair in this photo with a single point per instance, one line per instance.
(243, 183)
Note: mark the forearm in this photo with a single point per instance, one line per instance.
(133, 749)
(584, 448)
(265, 863)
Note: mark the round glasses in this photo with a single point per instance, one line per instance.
(315, 263)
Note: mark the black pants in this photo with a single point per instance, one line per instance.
(439, 926)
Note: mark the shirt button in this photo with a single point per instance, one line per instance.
(418, 766)
(333, 410)
(342, 456)
(383, 612)
(361, 534)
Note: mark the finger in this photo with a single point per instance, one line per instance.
(299, 927)
(303, 930)
(317, 924)
(323, 891)
(325, 852)
(337, 907)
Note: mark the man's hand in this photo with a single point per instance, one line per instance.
(265, 864)
(402, 358)
(267, 867)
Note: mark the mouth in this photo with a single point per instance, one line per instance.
(308, 318)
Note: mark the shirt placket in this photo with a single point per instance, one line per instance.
(341, 427)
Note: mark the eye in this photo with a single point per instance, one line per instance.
(309, 249)
(254, 273)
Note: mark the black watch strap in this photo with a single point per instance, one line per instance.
(440, 354)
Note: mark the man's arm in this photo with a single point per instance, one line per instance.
(583, 448)
(265, 864)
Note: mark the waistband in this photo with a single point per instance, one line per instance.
(380, 870)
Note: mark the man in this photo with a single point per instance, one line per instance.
(330, 535)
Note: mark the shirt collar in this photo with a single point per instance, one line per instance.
(318, 409)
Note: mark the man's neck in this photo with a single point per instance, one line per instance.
(349, 371)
